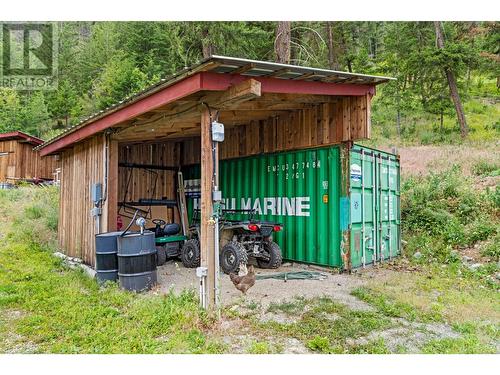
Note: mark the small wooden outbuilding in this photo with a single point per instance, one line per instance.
(20, 162)
(265, 108)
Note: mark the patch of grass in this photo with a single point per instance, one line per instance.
(319, 344)
(373, 347)
(441, 292)
(463, 345)
(327, 326)
(294, 307)
(423, 128)
(63, 311)
(252, 305)
(393, 308)
(492, 248)
(486, 168)
(444, 212)
(260, 347)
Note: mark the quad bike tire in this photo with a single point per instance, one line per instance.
(190, 254)
(232, 255)
(275, 257)
(161, 255)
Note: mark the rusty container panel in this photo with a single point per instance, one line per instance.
(299, 189)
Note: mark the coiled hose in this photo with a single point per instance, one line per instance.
(297, 275)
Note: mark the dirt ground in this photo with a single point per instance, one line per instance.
(240, 336)
(174, 276)
(419, 160)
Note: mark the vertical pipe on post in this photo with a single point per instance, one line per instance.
(380, 213)
(216, 232)
(110, 209)
(363, 207)
(374, 208)
(207, 226)
(389, 198)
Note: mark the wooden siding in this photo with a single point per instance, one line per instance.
(142, 182)
(344, 119)
(82, 166)
(22, 162)
(7, 160)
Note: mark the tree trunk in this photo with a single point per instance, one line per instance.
(464, 129)
(207, 46)
(333, 61)
(441, 121)
(282, 42)
(398, 117)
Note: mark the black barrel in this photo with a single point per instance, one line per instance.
(137, 261)
(106, 260)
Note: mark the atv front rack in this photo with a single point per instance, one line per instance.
(251, 213)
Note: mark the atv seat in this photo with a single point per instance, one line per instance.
(171, 229)
(166, 230)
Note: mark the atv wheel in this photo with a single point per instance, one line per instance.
(161, 255)
(190, 254)
(232, 255)
(275, 258)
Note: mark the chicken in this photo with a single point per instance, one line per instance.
(245, 282)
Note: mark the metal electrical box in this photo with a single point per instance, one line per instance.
(217, 132)
(96, 192)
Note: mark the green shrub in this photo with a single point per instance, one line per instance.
(492, 248)
(34, 212)
(485, 168)
(481, 230)
(319, 344)
(443, 211)
(494, 196)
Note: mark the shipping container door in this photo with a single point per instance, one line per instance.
(389, 211)
(375, 212)
(363, 207)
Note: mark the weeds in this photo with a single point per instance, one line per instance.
(393, 308)
(486, 168)
(63, 311)
(293, 307)
(327, 326)
(442, 212)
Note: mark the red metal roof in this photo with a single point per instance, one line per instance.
(213, 74)
(21, 136)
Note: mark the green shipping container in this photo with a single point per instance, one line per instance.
(302, 191)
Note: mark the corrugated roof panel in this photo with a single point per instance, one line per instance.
(226, 65)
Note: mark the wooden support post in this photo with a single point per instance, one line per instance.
(112, 186)
(207, 233)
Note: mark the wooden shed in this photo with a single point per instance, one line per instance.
(20, 162)
(265, 107)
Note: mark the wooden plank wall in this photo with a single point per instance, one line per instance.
(81, 167)
(24, 162)
(141, 183)
(342, 120)
(29, 163)
(7, 161)
(47, 165)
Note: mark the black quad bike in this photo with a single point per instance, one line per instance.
(238, 240)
